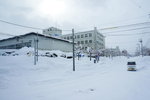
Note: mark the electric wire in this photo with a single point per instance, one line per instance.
(20, 25)
(128, 34)
(24, 25)
(126, 30)
(7, 34)
(121, 26)
(143, 23)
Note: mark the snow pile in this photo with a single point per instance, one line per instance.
(25, 50)
(22, 51)
(53, 79)
(30, 52)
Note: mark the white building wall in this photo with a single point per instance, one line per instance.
(17, 40)
(52, 44)
(44, 43)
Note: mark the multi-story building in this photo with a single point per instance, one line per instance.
(88, 39)
(52, 31)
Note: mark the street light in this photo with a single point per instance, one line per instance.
(138, 49)
(141, 41)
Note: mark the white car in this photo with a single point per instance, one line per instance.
(131, 65)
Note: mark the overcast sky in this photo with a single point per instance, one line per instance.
(82, 15)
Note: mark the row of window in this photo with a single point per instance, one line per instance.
(79, 36)
(85, 42)
(84, 48)
(47, 30)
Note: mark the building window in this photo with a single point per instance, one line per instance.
(78, 42)
(90, 41)
(90, 34)
(86, 35)
(30, 41)
(75, 36)
(86, 41)
(82, 36)
(82, 42)
(82, 48)
(85, 48)
(78, 36)
(68, 38)
(64, 37)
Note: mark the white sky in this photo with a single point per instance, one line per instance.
(82, 15)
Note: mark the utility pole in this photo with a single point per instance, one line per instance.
(73, 50)
(90, 55)
(37, 48)
(141, 47)
(95, 38)
(90, 51)
(35, 60)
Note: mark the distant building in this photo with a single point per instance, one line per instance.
(112, 52)
(52, 31)
(44, 42)
(88, 39)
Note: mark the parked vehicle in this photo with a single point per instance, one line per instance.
(9, 53)
(48, 54)
(131, 66)
(69, 57)
(63, 55)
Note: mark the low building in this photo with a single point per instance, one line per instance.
(52, 31)
(88, 39)
(28, 40)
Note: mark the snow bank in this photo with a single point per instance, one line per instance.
(53, 78)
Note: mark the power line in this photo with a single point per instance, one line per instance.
(70, 30)
(129, 34)
(24, 25)
(7, 34)
(143, 23)
(20, 25)
(126, 30)
(128, 19)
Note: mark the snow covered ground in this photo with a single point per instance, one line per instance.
(53, 78)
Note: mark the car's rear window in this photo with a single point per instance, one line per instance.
(131, 63)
